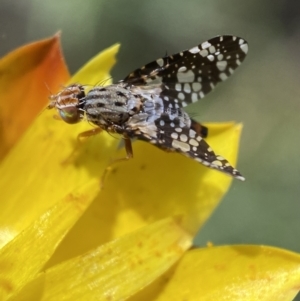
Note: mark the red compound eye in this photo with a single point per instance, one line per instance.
(70, 115)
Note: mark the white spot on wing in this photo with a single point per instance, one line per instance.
(178, 87)
(244, 48)
(193, 142)
(182, 69)
(194, 50)
(181, 96)
(205, 45)
(217, 163)
(211, 57)
(221, 65)
(186, 77)
(204, 52)
(183, 138)
(160, 62)
(174, 135)
(212, 49)
(181, 145)
(201, 161)
(223, 76)
(196, 86)
(192, 134)
(187, 88)
(195, 97)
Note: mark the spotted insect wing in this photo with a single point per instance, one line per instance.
(147, 104)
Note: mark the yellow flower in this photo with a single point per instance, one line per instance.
(62, 237)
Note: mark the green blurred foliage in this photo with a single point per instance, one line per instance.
(264, 94)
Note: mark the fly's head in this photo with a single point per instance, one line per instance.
(69, 103)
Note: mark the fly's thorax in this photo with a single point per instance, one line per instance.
(113, 104)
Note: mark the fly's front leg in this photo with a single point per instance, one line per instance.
(89, 133)
(80, 139)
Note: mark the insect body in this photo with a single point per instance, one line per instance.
(148, 103)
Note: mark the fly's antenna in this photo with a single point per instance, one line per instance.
(51, 98)
(48, 88)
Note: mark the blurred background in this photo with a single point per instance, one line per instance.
(264, 93)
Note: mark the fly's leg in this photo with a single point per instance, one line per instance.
(80, 139)
(128, 148)
(129, 155)
(89, 133)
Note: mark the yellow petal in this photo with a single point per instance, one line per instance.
(25, 256)
(241, 273)
(113, 271)
(47, 164)
(26, 75)
(152, 186)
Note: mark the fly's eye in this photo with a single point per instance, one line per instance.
(70, 115)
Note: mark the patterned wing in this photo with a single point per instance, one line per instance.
(176, 135)
(192, 145)
(189, 75)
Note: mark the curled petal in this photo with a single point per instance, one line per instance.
(26, 76)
